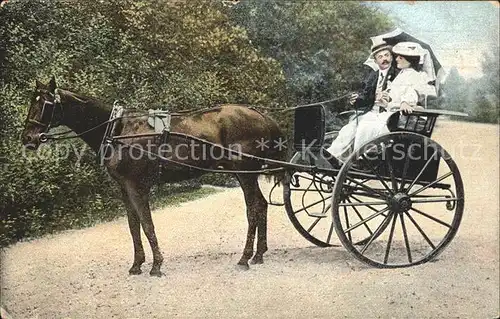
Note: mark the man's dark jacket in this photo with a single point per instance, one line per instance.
(366, 97)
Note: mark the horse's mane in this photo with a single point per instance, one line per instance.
(79, 96)
(85, 99)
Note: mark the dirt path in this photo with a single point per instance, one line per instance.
(83, 273)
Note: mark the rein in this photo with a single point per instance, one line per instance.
(285, 109)
(44, 137)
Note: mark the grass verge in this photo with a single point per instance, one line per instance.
(98, 210)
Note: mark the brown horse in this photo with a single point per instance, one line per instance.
(136, 173)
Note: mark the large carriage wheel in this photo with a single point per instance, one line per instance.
(398, 201)
(307, 198)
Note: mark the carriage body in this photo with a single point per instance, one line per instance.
(402, 179)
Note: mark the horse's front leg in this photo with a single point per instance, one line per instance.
(134, 224)
(139, 200)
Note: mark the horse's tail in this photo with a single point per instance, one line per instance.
(279, 151)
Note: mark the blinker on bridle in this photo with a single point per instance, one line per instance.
(48, 113)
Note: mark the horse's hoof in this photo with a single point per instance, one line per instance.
(135, 271)
(155, 273)
(243, 265)
(256, 260)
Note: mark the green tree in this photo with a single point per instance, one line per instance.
(486, 95)
(321, 44)
(455, 92)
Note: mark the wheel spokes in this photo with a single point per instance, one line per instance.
(364, 221)
(314, 224)
(360, 217)
(379, 178)
(405, 235)
(389, 242)
(359, 201)
(377, 232)
(361, 204)
(329, 234)
(391, 172)
(431, 184)
(420, 230)
(347, 223)
(431, 217)
(369, 189)
(405, 169)
(310, 205)
(402, 191)
(307, 203)
(420, 173)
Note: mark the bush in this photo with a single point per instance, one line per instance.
(147, 53)
(47, 192)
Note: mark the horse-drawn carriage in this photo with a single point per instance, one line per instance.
(397, 201)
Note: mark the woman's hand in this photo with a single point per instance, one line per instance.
(406, 108)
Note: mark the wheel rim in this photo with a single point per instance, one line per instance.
(399, 212)
(307, 199)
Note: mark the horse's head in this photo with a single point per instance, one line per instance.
(45, 112)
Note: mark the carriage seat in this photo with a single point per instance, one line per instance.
(419, 122)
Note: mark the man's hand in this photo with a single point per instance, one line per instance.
(353, 98)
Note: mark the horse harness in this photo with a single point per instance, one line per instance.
(159, 120)
(48, 112)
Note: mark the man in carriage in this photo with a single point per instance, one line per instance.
(378, 79)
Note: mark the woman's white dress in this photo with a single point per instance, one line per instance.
(406, 87)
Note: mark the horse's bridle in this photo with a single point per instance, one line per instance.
(48, 117)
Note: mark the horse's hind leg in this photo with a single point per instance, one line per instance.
(139, 199)
(257, 219)
(135, 230)
(261, 231)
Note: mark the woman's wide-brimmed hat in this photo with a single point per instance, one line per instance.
(408, 49)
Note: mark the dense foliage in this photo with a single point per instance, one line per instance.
(320, 44)
(150, 54)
